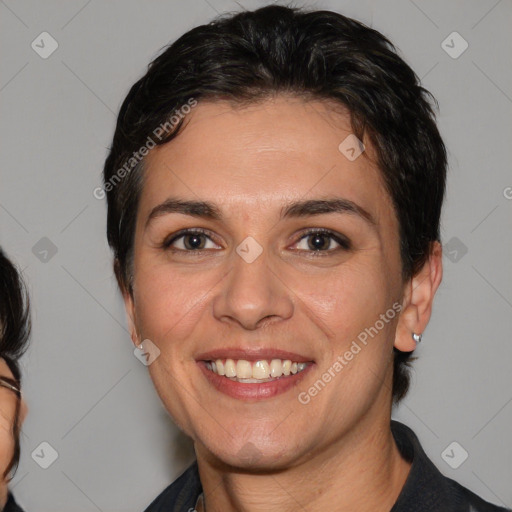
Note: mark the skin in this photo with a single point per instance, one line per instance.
(7, 411)
(251, 162)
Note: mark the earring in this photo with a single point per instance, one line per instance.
(416, 337)
(140, 347)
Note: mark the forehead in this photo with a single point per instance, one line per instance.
(260, 153)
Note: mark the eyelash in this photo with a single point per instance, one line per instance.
(344, 243)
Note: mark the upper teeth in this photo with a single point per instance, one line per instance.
(262, 369)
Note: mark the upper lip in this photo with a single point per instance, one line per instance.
(251, 354)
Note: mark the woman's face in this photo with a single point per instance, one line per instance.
(272, 275)
(8, 402)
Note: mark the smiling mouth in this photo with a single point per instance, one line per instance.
(255, 372)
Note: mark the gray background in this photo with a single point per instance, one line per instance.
(88, 396)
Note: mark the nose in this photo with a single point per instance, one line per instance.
(252, 295)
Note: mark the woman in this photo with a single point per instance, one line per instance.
(14, 333)
(274, 192)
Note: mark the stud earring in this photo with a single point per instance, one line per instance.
(416, 337)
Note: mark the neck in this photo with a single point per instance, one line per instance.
(363, 471)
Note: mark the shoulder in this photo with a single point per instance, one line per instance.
(11, 505)
(181, 495)
(426, 488)
(472, 501)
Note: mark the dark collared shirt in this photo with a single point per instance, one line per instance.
(11, 505)
(425, 490)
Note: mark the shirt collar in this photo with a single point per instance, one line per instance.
(425, 488)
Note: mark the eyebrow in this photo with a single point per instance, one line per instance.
(295, 209)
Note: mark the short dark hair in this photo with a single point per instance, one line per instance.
(14, 335)
(250, 56)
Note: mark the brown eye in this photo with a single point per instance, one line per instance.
(190, 240)
(322, 241)
(319, 242)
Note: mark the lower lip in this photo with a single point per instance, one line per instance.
(253, 391)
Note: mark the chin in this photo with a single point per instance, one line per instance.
(253, 457)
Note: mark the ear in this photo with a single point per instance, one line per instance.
(418, 298)
(129, 304)
(129, 307)
(23, 409)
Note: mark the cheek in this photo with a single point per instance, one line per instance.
(7, 412)
(168, 307)
(348, 299)
(167, 303)
(358, 343)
